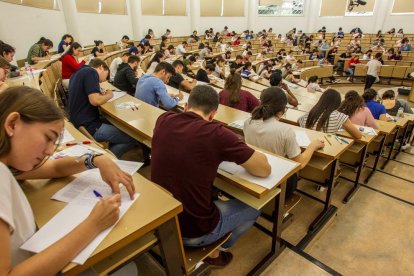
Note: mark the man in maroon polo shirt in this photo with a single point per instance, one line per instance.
(187, 149)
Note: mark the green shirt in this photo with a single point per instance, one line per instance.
(35, 51)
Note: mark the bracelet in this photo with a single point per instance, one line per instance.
(88, 162)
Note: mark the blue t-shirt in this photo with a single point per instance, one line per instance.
(376, 108)
(60, 46)
(152, 90)
(245, 74)
(84, 82)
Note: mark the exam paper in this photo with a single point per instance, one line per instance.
(302, 138)
(67, 137)
(280, 168)
(237, 124)
(92, 179)
(71, 216)
(117, 95)
(76, 151)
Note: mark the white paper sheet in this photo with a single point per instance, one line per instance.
(367, 130)
(302, 138)
(280, 167)
(184, 100)
(91, 178)
(117, 95)
(67, 137)
(70, 217)
(237, 124)
(76, 151)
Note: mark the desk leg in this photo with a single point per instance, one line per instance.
(355, 188)
(172, 250)
(401, 142)
(381, 147)
(391, 149)
(328, 211)
(277, 245)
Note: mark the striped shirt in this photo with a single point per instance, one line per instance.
(335, 122)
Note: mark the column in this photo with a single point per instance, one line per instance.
(251, 14)
(194, 14)
(70, 14)
(135, 14)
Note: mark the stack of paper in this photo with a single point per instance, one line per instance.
(76, 151)
(367, 130)
(237, 124)
(117, 95)
(302, 138)
(280, 168)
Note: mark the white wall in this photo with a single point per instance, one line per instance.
(22, 26)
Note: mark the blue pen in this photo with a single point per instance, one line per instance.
(343, 140)
(97, 194)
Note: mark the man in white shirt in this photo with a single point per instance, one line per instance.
(290, 58)
(373, 67)
(180, 50)
(113, 68)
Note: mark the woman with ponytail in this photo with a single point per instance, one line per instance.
(234, 96)
(265, 131)
(99, 49)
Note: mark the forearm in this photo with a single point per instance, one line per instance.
(304, 157)
(51, 260)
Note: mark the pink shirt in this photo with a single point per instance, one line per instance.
(364, 117)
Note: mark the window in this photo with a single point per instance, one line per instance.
(101, 6)
(222, 8)
(281, 7)
(41, 4)
(333, 8)
(164, 7)
(366, 10)
(403, 7)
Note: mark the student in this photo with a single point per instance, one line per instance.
(167, 33)
(85, 97)
(39, 51)
(225, 31)
(325, 117)
(392, 104)
(156, 59)
(354, 107)
(177, 81)
(147, 48)
(163, 45)
(151, 87)
(248, 72)
(367, 55)
(232, 95)
(123, 44)
(195, 36)
(266, 71)
(189, 65)
(202, 75)
(189, 177)
(204, 52)
(341, 61)
(180, 49)
(340, 33)
(246, 57)
(237, 64)
(227, 55)
(70, 62)
(126, 78)
(291, 78)
(145, 39)
(99, 49)
(117, 64)
(377, 109)
(4, 71)
(64, 43)
(151, 33)
(313, 85)
(219, 70)
(137, 51)
(27, 112)
(169, 52)
(277, 81)
(331, 55)
(351, 63)
(264, 130)
(7, 52)
(373, 68)
(290, 58)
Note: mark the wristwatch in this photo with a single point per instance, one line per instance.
(89, 160)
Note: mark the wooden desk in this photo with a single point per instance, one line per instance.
(324, 71)
(24, 80)
(136, 223)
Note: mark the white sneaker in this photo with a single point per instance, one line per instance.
(406, 146)
(348, 79)
(320, 188)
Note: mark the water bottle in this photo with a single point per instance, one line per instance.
(400, 112)
(29, 71)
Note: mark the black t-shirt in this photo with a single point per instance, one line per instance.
(84, 82)
(202, 76)
(96, 49)
(175, 81)
(235, 65)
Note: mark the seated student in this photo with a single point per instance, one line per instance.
(313, 85)
(237, 64)
(177, 81)
(195, 36)
(392, 104)
(226, 47)
(151, 33)
(266, 71)
(232, 95)
(180, 49)
(126, 78)
(314, 55)
(354, 107)
(340, 33)
(341, 61)
(7, 52)
(227, 55)
(291, 78)
(163, 45)
(290, 58)
(4, 71)
(367, 55)
(117, 64)
(189, 65)
(123, 43)
(204, 51)
(203, 75)
(246, 57)
(277, 80)
(248, 72)
(136, 50)
(325, 117)
(26, 112)
(64, 43)
(352, 62)
(145, 40)
(99, 49)
(156, 59)
(377, 109)
(219, 70)
(147, 48)
(189, 177)
(84, 99)
(167, 33)
(151, 87)
(39, 51)
(70, 62)
(169, 51)
(264, 130)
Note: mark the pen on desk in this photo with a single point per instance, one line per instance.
(343, 140)
(78, 143)
(329, 142)
(136, 107)
(97, 194)
(337, 139)
(132, 107)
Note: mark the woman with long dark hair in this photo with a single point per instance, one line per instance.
(70, 62)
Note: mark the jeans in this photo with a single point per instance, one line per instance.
(235, 217)
(119, 142)
(369, 81)
(291, 185)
